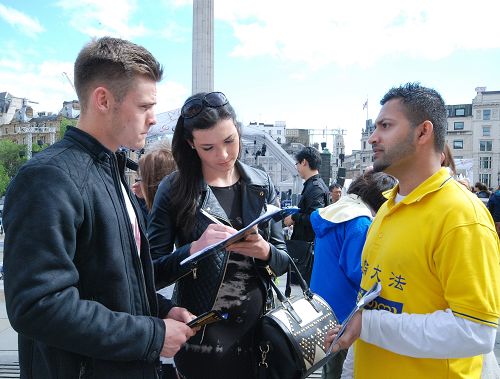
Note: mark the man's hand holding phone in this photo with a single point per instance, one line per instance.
(207, 318)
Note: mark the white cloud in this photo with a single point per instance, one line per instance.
(174, 32)
(42, 83)
(322, 32)
(97, 18)
(21, 21)
(179, 3)
(170, 95)
(11, 65)
(52, 87)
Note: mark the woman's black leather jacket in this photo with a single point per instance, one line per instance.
(198, 284)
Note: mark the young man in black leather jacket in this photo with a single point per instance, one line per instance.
(79, 284)
(315, 194)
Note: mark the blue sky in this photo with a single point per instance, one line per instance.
(309, 63)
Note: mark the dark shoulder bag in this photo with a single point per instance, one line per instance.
(302, 254)
(290, 338)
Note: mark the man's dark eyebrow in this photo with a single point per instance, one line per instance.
(384, 119)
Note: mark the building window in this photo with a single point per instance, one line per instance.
(486, 114)
(458, 125)
(458, 157)
(485, 162)
(485, 179)
(364, 145)
(485, 145)
(279, 132)
(458, 144)
(486, 131)
(460, 112)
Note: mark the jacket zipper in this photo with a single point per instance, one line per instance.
(217, 293)
(137, 260)
(225, 261)
(222, 278)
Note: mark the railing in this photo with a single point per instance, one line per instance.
(34, 129)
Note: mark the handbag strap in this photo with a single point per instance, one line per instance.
(285, 303)
(284, 300)
(288, 289)
(302, 283)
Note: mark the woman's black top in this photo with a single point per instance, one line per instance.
(225, 348)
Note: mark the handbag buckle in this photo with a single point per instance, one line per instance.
(263, 352)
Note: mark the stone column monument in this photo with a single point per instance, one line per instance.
(203, 46)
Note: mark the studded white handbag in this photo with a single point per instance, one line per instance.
(290, 338)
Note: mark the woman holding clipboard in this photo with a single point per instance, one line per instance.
(210, 197)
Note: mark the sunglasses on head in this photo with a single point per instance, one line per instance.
(193, 107)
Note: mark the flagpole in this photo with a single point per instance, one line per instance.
(367, 107)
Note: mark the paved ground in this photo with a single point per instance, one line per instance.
(8, 337)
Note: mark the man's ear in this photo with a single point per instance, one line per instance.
(102, 99)
(425, 132)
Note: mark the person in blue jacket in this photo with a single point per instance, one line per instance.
(341, 230)
(494, 208)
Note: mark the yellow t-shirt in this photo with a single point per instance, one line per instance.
(436, 249)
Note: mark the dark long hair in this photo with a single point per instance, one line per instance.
(187, 184)
(370, 185)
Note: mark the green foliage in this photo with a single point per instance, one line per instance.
(37, 148)
(66, 123)
(4, 180)
(12, 156)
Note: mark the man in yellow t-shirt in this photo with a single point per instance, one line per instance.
(433, 247)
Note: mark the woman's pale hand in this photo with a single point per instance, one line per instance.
(214, 233)
(253, 245)
(288, 221)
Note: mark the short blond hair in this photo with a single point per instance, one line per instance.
(113, 63)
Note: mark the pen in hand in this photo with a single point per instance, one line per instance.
(210, 217)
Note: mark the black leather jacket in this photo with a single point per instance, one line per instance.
(197, 286)
(77, 291)
(314, 195)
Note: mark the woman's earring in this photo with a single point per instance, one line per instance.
(192, 147)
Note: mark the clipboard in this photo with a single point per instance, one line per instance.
(272, 213)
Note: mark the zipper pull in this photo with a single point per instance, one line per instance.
(194, 273)
(270, 271)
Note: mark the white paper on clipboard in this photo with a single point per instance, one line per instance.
(272, 212)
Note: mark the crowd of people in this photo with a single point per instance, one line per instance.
(81, 291)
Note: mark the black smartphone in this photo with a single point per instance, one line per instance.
(207, 318)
